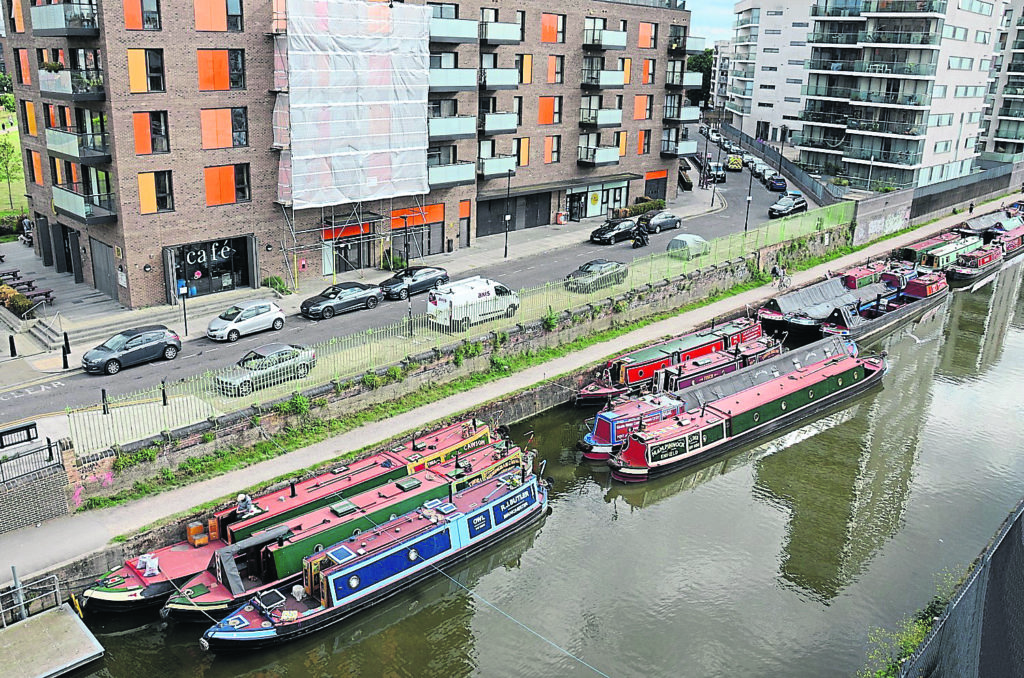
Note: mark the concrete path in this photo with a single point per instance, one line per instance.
(64, 539)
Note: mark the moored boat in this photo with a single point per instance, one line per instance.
(746, 406)
(1012, 242)
(353, 575)
(879, 316)
(971, 266)
(631, 371)
(913, 252)
(146, 581)
(940, 258)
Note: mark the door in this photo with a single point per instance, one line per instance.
(76, 255)
(103, 275)
(264, 318)
(247, 321)
(575, 202)
(655, 188)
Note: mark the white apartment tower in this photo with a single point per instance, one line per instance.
(895, 89)
(720, 73)
(1003, 135)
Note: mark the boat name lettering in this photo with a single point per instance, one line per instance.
(479, 524)
(513, 505)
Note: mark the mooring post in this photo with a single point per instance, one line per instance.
(19, 595)
(67, 343)
(106, 406)
(163, 391)
(10, 340)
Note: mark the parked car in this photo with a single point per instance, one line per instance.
(749, 159)
(716, 172)
(246, 317)
(266, 366)
(703, 129)
(688, 246)
(131, 347)
(760, 169)
(595, 275)
(657, 220)
(734, 163)
(342, 297)
(413, 280)
(786, 205)
(714, 137)
(776, 182)
(613, 231)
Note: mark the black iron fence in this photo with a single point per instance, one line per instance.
(15, 465)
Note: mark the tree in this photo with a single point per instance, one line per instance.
(7, 101)
(701, 63)
(6, 86)
(10, 165)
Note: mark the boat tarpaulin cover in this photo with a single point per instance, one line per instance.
(226, 555)
(763, 372)
(358, 76)
(848, 298)
(798, 300)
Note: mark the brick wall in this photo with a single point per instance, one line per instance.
(33, 498)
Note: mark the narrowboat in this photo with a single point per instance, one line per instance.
(913, 252)
(801, 312)
(359, 572)
(146, 581)
(274, 558)
(611, 428)
(1012, 242)
(630, 371)
(971, 266)
(746, 406)
(943, 257)
(879, 316)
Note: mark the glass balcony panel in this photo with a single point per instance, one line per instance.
(453, 30)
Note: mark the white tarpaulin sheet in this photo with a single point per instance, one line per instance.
(358, 74)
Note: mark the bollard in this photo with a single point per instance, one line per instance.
(163, 391)
(49, 449)
(64, 356)
(67, 343)
(14, 351)
(106, 406)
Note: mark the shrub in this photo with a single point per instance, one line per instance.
(208, 437)
(639, 208)
(126, 460)
(394, 374)
(277, 284)
(371, 380)
(549, 320)
(620, 306)
(394, 262)
(500, 363)
(297, 404)
(14, 301)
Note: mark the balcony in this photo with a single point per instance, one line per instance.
(1017, 44)
(833, 38)
(744, 74)
(600, 118)
(903, 6)
(745, 92)
(894, 67)
(80, 84)
(455, 127)
(1011, 112)
(77, 20)
(681, 114)
(674, 149)
(829, 144)
(1011, 132)
(874, 155)
(86, 149)
(593, 78)
(498, 123)
(494, 33)
(898, 38)
(737, 107)
(601, 39)
(72, 201)
(826, 92)
(995, 156)
(1015, 67)
(823, 118)
(833, 65)
(452, 79)
(889, 98)
(499, 78)
(695, 45)
(597, 156)
(901, 129)
(498, 166)
(455, 31)
(446, 176)
(834, 12)
(684, 80)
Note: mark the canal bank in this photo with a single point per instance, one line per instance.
(77, 547)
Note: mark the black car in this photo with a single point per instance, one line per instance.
(344, 296)
(131, 347)
(613, 231)
(787, 204)
(413, 280)
(596, 274)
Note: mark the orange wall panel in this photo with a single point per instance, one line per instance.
(215, 124)
(524, 152)
(37, 168)
(19, 17)
(546, 111)
(657, 174)
(627, 69)
(549, 28)
(622, 143)
(640, 107)
(645, 75)
(133, 15)
(642, 136)
(137, 81)
(220, 185)
(464, 209)
(552, 68)
(430, 214)
(26, 74)
(646, 35)
(30, 115)
(211, 15)
(549, 143)
(212, 65)
(147, 193)
(143, 134)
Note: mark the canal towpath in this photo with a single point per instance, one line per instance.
(62, 540)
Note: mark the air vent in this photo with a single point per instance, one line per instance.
(446, 508)
(343, 508)
(407, 484)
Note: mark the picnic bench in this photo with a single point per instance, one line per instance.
(41, 295)
(10, 274)
(23, 285)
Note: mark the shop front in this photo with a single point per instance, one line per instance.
(595, 200)
(212, 266)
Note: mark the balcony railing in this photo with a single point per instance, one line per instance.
(72, 200)
(898, 37)
(681, 114)
(454, 127)
(825, 91)
(903, 6)
(833, 38)
(79, 84)
(894, 67)
(911, 129)
(452, 79)
(453, 30)
(744, 74)
(824, 118)
(737, 107)
(674, 149)
(86, 148)
(1015, 133)
(1017, 44)
(69, 19)
(499, 78)
(746, 92)
(829, 65)
(891, 98)
(1015, 67)
(684, 80)
(598, 156)
(494, 33)
(1011, 112)
(499, 123)
(878, 155)
(834, 144)
(600, 38)
(827, 11)
(498, 166)
(601, 117)
(601, 79)
(455, 174)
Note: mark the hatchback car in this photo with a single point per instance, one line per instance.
(413, 280)
(734, 163)
(595, 275)
(716, 172)
(266, 366)
(749, 159)
(776, 182)
(131, 347)
(787, 205)
(342, 297)
(246, 317)
(657, 220)
(714, 137)
(613, 231)
(760, 170)
(687, 246)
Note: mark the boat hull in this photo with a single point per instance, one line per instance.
(816, 408)
(216, 611)
(152, 596)
(961, 277)
(890, 322)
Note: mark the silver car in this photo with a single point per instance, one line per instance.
(246, 317)
(266, 366)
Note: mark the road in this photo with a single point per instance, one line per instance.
(47, 395)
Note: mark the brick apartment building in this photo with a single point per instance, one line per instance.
(161, 146)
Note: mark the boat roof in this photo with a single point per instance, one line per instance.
(637, 406)
(441, 439)
(954, 246)
(984, 221)
(932, 241)
(818, 293)
(686, 341)
(1015, 233)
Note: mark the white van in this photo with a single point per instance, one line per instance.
(472, 300)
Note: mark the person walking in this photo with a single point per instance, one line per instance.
(970, 208)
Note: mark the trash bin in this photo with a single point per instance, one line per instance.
(561, 217)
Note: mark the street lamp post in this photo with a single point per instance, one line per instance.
(508, 211)
(714, 181)
(750, 190)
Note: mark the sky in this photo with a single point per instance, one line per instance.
(711, 19)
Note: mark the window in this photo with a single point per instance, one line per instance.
(485, 149)
(16, 16)
(28, 116)
(769, 68)
(974, 116)
(792, 100)
(643, 106)
(969, 143)
(796, 62)
(34, 163)
(227, 184)
(447, 155)
(524, 64)
(954, 32)
(142, 15)
(647, 76)
(766, 87)
(488, 15)
(772, 12)
(625, 65)
(799, 24)
(156, 192)
(221, 69)
(521, 20)
(762, 105)
(794, 81)
(443, 10)
(966, 91)
(488, 60)
(235, 16)
(556, 69)
(984, 65)
(773, 31)
(771, 50)
(224, 127)
(21, 67)
(940, 120)
(943, 146)
(443, 60)
(797, 43)
(517, 108)
(982, 37)
(442, 108)
(146, 70)
(549, 111)
(939, 92)
(552, 28)
(648, 35)
(618, 101)
(552, 149)
(977, 6)
(643, 146)
(521, 149)
(620, 141)
(623, 25)
(151, 134)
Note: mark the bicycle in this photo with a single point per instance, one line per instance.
(782, 281)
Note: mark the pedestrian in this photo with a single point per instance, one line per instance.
(970, 209)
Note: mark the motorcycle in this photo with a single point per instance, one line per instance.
(640, 238)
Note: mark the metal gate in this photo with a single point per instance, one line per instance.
(103, 275)
(655, 188)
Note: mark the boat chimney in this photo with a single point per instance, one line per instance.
(292, 485)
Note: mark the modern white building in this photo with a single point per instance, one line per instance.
(771, 48)
(720, 73)
(1002, 138)
(895, 89)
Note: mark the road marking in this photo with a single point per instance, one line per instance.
(31, 390)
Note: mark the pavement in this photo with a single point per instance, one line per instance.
(61, 540)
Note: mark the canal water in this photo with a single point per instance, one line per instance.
(774, 561)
